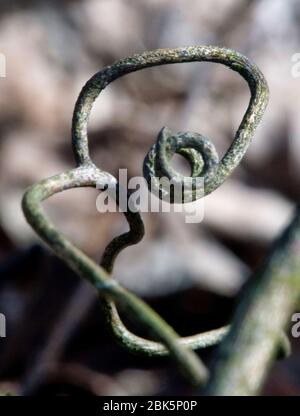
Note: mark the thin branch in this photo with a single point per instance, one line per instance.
(265, 309)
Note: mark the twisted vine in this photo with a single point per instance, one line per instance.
(204, 161)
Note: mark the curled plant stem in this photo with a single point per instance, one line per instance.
(244, 358)
(202, 156)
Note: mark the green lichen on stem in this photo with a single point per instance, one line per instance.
(205, 164)
(228, 57)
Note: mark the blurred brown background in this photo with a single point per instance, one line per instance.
(56, 341)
